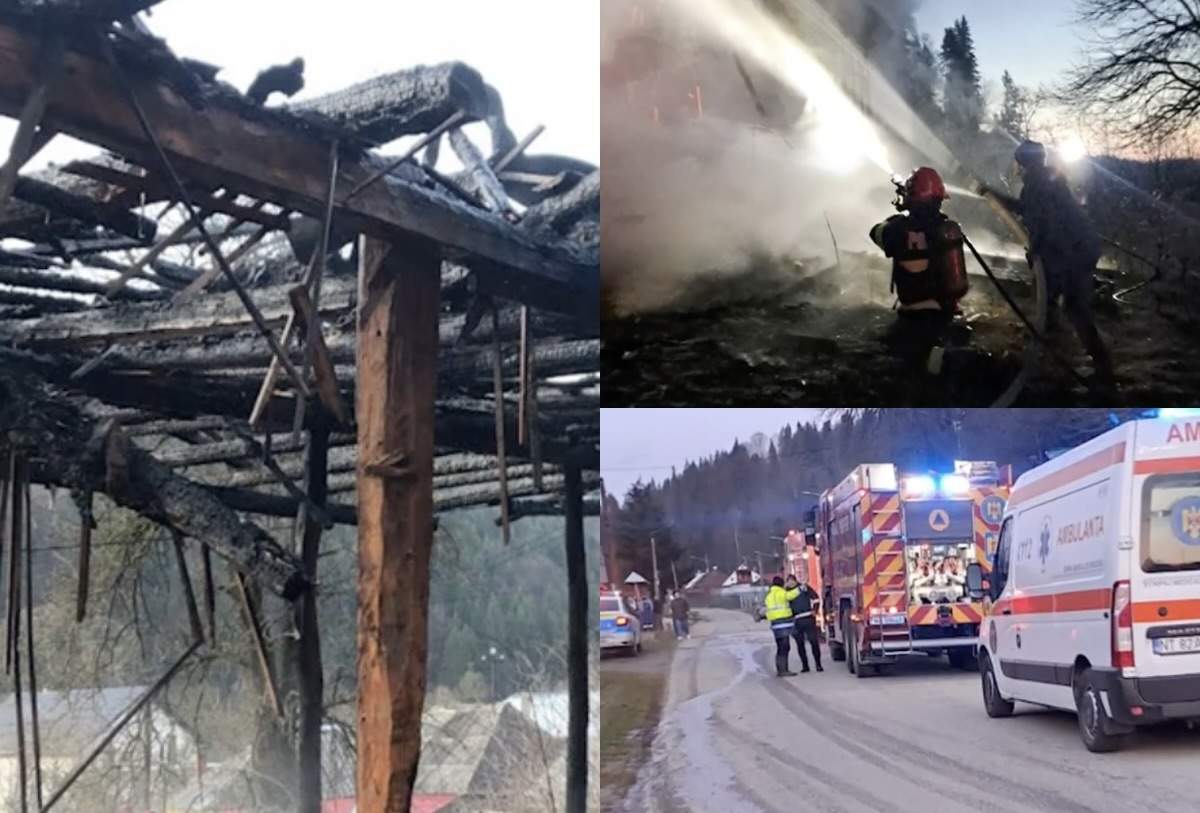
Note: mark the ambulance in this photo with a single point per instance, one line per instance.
(1095, 584)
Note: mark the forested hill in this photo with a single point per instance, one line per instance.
(757, 496)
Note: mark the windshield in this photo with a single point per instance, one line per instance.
(1171, 522)
(610, 605)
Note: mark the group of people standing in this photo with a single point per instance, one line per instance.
(648, 612)
(791, 610)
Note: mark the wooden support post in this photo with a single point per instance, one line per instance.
(577, 641)
(16, 471)
(29, 648)
(210, 595)
(312, 684)
(397, 377)
(86, 525)
(17, 492)
(498, 393)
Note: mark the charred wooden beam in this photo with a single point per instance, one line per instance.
(272, 161)
(68, 448)
(406, 102)
(29, 122)
(129, 322)
(221, 313)
(550, 505)
(53, 279)
(278, 505)
(85, 210)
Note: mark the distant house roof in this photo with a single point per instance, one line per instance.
(68, 721)
(705, 582)
(481, 750)
(732, 579)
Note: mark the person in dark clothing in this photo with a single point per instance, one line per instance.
(928, 268)
(804, 607)
(1067, 244)
(679, 615)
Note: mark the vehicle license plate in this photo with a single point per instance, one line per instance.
(1182, 645)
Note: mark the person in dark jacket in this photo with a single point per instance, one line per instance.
(679, 615)
(1067, 244)
(804, 607)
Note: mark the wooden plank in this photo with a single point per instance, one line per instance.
(207, 278)
(322, 362)
(286, 165)
(30, 118)
(498, 392)
(397, 364)
(250, 615)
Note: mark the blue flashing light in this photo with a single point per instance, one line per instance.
(954, 485)
(1179, 412)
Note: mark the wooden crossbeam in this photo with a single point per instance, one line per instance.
(220, 148)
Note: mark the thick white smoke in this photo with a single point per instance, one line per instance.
(732, 184)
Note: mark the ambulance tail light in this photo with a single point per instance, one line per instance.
(1122, 626)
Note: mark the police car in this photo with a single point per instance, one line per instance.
(1096, 584)
(619, 628)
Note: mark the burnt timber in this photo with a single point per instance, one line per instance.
(112, 382)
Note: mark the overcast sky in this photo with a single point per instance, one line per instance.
(646, 443)
(542, 55)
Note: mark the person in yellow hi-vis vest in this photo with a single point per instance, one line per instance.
(778, 612)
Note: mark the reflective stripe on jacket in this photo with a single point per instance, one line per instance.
(778, 603)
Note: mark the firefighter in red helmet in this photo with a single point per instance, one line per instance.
(928, 267)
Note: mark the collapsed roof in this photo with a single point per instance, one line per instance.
(119, 330)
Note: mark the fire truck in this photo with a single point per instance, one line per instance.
(904, 558)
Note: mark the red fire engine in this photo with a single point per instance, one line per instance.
(904, 559)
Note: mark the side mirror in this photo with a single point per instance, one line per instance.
(975, 583)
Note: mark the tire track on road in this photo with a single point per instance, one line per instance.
(739, 737)
(880, 747)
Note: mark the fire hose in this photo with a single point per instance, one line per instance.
(1158, 271)
(1012, 304)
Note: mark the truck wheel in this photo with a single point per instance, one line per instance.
(960, 657)
(851, 648)
(1091, 717)
(995, 705)
(836, 650)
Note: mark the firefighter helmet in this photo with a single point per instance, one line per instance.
(925, 186)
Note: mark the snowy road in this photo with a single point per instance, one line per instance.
(736, 739)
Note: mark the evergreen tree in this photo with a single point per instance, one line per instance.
(1014, 110)
(963, 96)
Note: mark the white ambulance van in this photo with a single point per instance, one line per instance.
(1095, 584)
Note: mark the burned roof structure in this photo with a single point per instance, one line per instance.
(234, 310)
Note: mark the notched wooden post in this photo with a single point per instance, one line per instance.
(397, 375)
